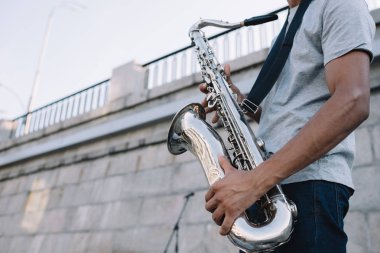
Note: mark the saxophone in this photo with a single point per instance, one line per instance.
(190, 131)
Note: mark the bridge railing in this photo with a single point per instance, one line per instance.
(227, 46)
(68, 107)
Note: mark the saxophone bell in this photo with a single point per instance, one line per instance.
(190, 131)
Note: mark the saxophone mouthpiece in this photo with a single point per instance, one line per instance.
(260, 20)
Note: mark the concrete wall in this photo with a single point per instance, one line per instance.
(104, 182)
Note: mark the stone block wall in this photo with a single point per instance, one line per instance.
(363, 220)
(127, 201)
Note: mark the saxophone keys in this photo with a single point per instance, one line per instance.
(211, 100)
(260, 143)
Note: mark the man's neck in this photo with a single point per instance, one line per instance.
(293, 3)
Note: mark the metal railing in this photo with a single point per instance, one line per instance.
(68, 107)
(227, 46)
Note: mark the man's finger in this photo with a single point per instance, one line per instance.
(211, 205)
(203, 87)
(226, 226)
(204, 103)
(215, 118)
(208, 109)
(209, 194)
(227, 71)
(218, 216)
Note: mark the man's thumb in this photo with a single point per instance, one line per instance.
(225, 163)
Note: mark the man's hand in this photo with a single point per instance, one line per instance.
(231, 196)
(203, 88)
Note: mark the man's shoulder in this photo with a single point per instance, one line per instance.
(341, 8)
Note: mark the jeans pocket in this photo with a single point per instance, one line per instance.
(343, 194)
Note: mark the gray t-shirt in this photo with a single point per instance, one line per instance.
(330, 29)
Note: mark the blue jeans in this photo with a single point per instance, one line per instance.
(321, 208)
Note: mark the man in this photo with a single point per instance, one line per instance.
(307, 122)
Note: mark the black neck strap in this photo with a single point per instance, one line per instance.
(275, 61)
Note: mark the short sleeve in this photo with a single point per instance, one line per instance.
(346, 26)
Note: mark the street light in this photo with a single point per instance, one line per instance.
(71, 5)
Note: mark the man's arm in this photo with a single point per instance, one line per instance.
(348, 82)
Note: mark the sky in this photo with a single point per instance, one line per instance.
(89, 38)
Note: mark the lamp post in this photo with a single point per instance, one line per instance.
(73, 6)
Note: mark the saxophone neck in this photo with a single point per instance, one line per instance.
(215, 23)
(224, 24)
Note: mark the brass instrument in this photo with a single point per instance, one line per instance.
(190, 131)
